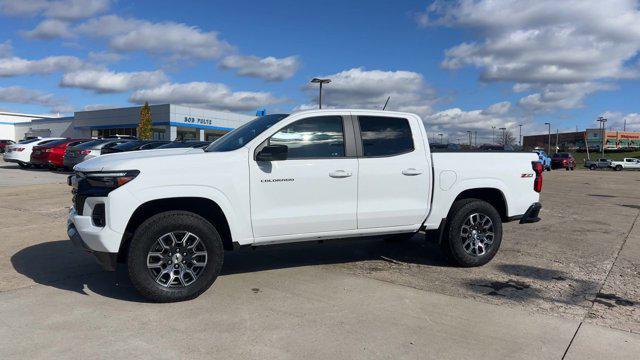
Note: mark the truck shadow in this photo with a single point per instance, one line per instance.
(60, 265)
(527, 284)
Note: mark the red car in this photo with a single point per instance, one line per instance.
(52, 153)
(563, 160)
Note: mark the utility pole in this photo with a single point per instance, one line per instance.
(493, 136)
(320, 81)
(440, 138)
(625, 125)
(469, 135)
(557, 134)
(520, 135)
(549, 132)
(602, 121)
(504, 138)
(476, 135)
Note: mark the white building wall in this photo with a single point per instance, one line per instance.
(13, 126)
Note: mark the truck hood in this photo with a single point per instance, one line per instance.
(132, 160)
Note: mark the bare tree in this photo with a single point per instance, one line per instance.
(507, 138)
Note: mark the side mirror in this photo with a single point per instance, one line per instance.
(273, 153)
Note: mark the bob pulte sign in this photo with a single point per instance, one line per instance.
(197, 120)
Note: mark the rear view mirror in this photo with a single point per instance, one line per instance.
(273, 153)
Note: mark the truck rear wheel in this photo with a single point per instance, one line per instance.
(473, 234)
(174, 256)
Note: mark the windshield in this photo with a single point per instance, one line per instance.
(28, 141)
(90, 144)
(245, 133)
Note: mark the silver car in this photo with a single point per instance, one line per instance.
(88, 150)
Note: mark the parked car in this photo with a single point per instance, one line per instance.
(20, 153)
(444, 147)
(185, 144)
(52, 154)
(493, 147)
(545, 160)
(88, 150)
(4, 143)
(133, 146)
(601, 163)
(313, 175)
(563, 160)
(626, 164)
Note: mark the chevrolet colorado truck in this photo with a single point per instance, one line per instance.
(626, 164)
(324, 174)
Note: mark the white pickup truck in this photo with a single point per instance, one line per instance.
(626, 164)
(313, 175)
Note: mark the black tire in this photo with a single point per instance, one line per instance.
(572, 168)
(146, 236)
(592, 167)
(452, 244)
(23, 165)
(567, 168)
(618, 168)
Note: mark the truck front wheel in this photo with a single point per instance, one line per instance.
(174, 256)
(473, 234)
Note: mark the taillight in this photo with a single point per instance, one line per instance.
(537, 168)
(85, 152)
(18, 149)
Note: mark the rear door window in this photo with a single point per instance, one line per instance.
(385, 136)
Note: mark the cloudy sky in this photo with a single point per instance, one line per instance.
(461, 65)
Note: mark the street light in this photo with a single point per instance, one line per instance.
(604, 135)
(493, 136)
(549, 149)
(320, 81)
(440, 138)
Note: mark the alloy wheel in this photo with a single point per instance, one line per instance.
(177, 259)
(477, 234)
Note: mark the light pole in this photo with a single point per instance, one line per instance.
(504, 140)
(440, 138)
(475, 134)
(604, 134)
(320, 81)
(469, 135)
(493, 136)
(549, 149)
(520, 134)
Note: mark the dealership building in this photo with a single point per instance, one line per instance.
(593, 138)
(170, 122)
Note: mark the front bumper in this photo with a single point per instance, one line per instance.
(107, 260)
(531, 215)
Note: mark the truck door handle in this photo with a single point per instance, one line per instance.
(339, 174)
(411, 172)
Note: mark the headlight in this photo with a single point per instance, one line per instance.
(111, 179)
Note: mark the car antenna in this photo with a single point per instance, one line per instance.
(385, 103)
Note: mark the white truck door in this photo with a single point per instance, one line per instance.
(314, 190)
(394, 173)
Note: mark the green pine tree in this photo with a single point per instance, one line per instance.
(145, 131)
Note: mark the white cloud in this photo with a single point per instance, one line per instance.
(177, 39)
(60, 9)
(455, 122)
(21, 95)
(6, 50)
(104, 81)
(369, 89)
(50, 29)
(105, 56)
(15, 66)
(268, 68)
(205, 94)
(545, 42)
(617, 121)
(561, 96)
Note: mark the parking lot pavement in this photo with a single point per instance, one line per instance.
(12, 175)
(568, 283)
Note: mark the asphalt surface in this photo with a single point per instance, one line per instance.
(566, 287)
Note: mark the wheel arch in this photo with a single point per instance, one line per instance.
(204, 207)
(493, 196)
